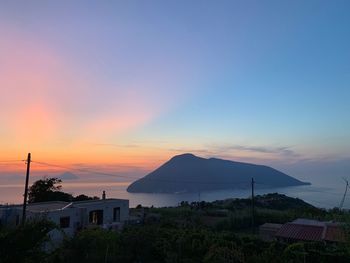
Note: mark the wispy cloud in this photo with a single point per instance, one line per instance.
(237, 150)
(116, 145)
(282, 151)
(192, 150)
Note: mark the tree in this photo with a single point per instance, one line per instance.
(83, 197)
(222, 254)
(295, 252)
(48, 189)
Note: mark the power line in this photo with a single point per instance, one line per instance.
(149, 179)
(11, 161)
(128, 177)
(82, 170)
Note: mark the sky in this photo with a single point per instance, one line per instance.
(120, 87)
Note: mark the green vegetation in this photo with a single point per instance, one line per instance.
(235, 214)
(205, 232)
(25, 243)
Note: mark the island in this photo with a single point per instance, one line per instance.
(189, 173)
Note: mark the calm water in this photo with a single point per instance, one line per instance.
(326, 197)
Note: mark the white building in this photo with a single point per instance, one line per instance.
(71, 217)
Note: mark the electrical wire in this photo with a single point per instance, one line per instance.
(125, 176)
(248, 182)
(11, 161)
(82, 170)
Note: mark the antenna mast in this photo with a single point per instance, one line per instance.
(252, 204)
(346, 190)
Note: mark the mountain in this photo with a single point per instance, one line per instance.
(189, 173)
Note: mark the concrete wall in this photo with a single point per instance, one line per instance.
(107, 206)
(74, 215)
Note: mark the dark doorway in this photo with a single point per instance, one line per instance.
(96, 217)
(116, 214)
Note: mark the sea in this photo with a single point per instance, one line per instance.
(317, 195)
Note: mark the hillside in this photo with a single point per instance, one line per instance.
(189, 173)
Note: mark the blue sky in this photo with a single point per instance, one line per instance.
(262, 81)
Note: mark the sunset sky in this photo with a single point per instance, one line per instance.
(121, 86)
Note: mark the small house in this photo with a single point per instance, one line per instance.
(71, 216)
(311, 230)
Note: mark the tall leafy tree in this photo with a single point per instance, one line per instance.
(47, 189)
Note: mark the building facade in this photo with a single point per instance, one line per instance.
(71, 217)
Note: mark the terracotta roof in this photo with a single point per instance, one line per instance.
(300, 232)
(312, 230)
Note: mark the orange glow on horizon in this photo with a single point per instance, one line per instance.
(54, 111)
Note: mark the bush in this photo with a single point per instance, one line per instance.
(25, 243)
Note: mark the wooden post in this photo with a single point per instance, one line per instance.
(26, 190)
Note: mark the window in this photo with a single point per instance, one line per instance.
(64, 222)
(116, 214)
(96, 217)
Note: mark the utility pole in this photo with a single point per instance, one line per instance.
(26, 190)
(253, 182)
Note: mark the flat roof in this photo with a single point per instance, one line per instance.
(41, 206)
(47, 206)
(58, 205)
(82, 203)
